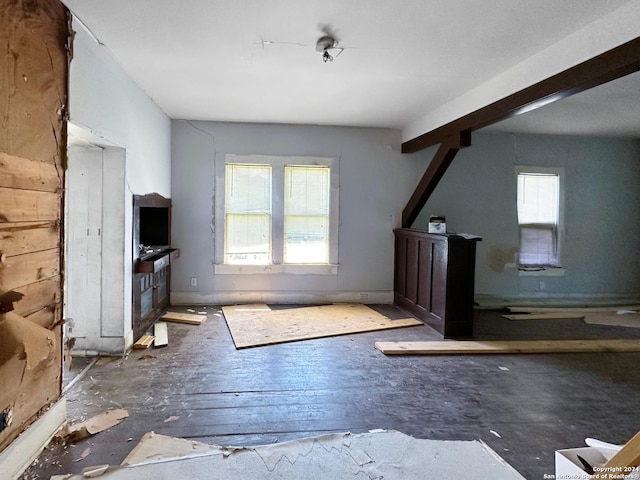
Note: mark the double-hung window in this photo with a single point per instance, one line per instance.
(276, 215)
(539, 195)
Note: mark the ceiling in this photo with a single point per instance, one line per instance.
(255, 61)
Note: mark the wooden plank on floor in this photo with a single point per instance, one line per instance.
(256, 327)
(520, 346)
(544, 316)
(188, 318)
(517, 309)
(144, 342)
(626, 459)
(161, 334)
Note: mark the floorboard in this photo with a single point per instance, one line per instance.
(535, 403)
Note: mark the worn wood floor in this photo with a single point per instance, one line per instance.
(523, 406)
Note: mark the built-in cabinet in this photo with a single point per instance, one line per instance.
(153, 258)
(434, 279)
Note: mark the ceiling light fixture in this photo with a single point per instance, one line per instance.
(325, 44)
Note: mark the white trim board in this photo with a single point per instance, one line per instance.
(15, 459)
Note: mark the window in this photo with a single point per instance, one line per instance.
(539, 217)
(276, 214)
(306, 214)
(247, 233)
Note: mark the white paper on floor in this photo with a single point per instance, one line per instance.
(387, 455)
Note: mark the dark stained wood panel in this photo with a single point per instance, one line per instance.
(438, 279)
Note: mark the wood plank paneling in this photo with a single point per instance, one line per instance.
(22, 173)
(22, 270)
(39, 295)
(21, 238)
(28, 205)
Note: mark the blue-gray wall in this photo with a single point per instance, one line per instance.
(376, 181)
(601, 238)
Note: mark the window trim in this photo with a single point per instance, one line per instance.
(548, 271)
(277, 235)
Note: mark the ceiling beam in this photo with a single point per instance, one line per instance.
(441, 161)
(615, 63)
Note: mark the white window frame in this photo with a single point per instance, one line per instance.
(277, 228)
(559, 171)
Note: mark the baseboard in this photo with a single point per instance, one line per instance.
(484, 301)
(309, 298)
(17, 457)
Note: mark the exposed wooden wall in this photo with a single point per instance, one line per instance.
(34, 37)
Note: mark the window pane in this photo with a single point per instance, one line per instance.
(306, 220)
(537, 198)
(247, 214)
(538, 213)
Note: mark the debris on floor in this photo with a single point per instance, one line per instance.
(188, 318)
(384, 454)
(103, 421)
(144, 342)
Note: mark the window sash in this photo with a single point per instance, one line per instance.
(247, 232)
(306, 214)
(538, 208)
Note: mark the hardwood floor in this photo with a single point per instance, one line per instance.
(523, 406)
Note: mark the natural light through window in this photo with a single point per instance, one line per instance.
(276, 214)
(247, 231)
(538, 218)
(306, 214)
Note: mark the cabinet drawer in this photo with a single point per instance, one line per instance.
(153, 264)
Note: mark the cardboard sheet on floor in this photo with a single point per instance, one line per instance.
(257, 325)
(513, 346)
(620, 318)
(379, 454)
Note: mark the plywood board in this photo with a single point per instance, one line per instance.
(21, 238)
(28, 205)
(188, 318)
(251, 327)
(161, 335)
(22, 270)
(525, 346)
(25, 174)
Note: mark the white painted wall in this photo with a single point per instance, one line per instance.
(109, 110)
(600, 253)
(608, 32)
(376, 181)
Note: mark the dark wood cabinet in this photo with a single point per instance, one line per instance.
(152, 261)
(435, 277)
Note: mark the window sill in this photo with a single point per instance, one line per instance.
(224, 269)
(544, 272)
